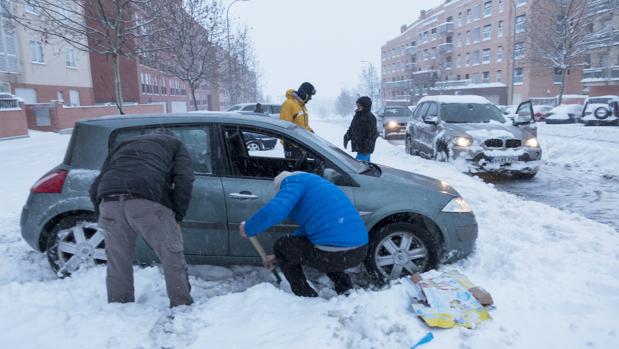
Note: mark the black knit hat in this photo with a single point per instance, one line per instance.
(306, 91)
(365, 102)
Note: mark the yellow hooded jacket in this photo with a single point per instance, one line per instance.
(293, 110)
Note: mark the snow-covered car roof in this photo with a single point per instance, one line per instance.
(455, 99)
(562, 111)
(611, 98)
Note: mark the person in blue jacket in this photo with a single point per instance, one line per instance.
(331, 236)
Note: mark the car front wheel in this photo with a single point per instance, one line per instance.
(401, 249)
(73, 243)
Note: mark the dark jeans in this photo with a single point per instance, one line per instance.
(293, 252)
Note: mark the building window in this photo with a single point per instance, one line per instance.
(518, 75)
(459, 40)
(434, 53)
(468, 59)
(486, 76)
(468, 37)
(485, 57)
(476, 12)
(459, 60)
(468, 16)
(487, 8)
(460, 19)
(520, 24)
(434, 34)
(69, 57)
(476, 57)
(426, 54)
(499, 54)
(36, 52)
(32, 7)
(519, 50)
(499, 77)
(520, 2)
(500, 29)
(476, 34)
(487, 32)
(501, 6)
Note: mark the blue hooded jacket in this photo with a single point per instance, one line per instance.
(324, 213)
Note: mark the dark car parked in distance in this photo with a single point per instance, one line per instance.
(414, 221)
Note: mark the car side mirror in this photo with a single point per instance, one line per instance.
(430, 119)
(331, 175)
(524, 114)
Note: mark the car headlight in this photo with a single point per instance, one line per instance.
(457, 205)
(392, 124)
(532, 142)
(462, 141)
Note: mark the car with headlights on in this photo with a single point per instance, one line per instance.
(472, 130)
(392, 120)
(414, 222)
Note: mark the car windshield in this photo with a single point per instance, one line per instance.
(357, 165)
(397, 112)
(470, 113)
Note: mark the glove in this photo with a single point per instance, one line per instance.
(346, 140)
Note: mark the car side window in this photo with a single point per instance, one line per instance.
(197, 139)
(259, 153)
(234, 108)
(250, 107)
(417, 114)
(432, 109)
(424, 110)
(275, 109)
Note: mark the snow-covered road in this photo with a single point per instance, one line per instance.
(554, 276)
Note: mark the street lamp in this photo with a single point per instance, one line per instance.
(230, 86)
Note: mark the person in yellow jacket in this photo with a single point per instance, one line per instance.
(293, 109)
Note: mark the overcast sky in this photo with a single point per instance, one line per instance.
(321, 41)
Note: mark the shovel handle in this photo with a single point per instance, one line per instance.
(263, 255)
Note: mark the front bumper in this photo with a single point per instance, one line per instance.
(507, 161)
(461, 233)
(597, 122)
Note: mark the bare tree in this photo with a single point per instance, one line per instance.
(241, 74)
(193, 30)
(557, 30)
(111, 28)
(345, 102)
(369, 83)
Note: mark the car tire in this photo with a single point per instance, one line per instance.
(408, 146)
(74, 242)
(525, 175)
(391, 255)
(253, 146)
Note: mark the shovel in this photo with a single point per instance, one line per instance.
(263, 255)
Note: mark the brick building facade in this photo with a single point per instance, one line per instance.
(466, 47)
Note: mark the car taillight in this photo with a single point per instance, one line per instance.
(51, 183)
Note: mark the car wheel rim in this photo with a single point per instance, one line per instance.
(399, 254)
(82, 244)
(253, 147)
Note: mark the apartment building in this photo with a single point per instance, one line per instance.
(602, 75)
(469, 47)
(40, 69)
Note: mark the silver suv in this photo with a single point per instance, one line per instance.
(473, 130)
(414, 221)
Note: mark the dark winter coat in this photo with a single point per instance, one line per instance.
(324, 213)
(362, 132)
(154, 167)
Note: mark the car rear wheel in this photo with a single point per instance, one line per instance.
(401, 249)
(73, 243)
(408, 145)
(525, 175)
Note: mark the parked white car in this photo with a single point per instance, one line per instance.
(564, 114)
(598, 111)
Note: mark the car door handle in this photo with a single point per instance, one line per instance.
(244, 195)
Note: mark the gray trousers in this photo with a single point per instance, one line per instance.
(122, 221)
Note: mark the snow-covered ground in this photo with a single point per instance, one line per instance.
(554, 276)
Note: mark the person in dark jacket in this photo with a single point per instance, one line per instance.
(259, 108)
(331, 236)
(144, 189)
(362, 132)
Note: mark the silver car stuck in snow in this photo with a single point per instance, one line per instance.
(473, 131)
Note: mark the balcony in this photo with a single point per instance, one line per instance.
(411, 50)
(446, 48)
(399, 84)
(603, 39)
(453, 83)
(445, 28)
(596, 7)
(411, 66)
(600, 74)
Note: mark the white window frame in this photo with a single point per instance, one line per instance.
(500, 29)
(521, 22)
(37, 54)
(486, 12)
(485, 59)
(499, 54)
(69, 58)
(488, 32)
